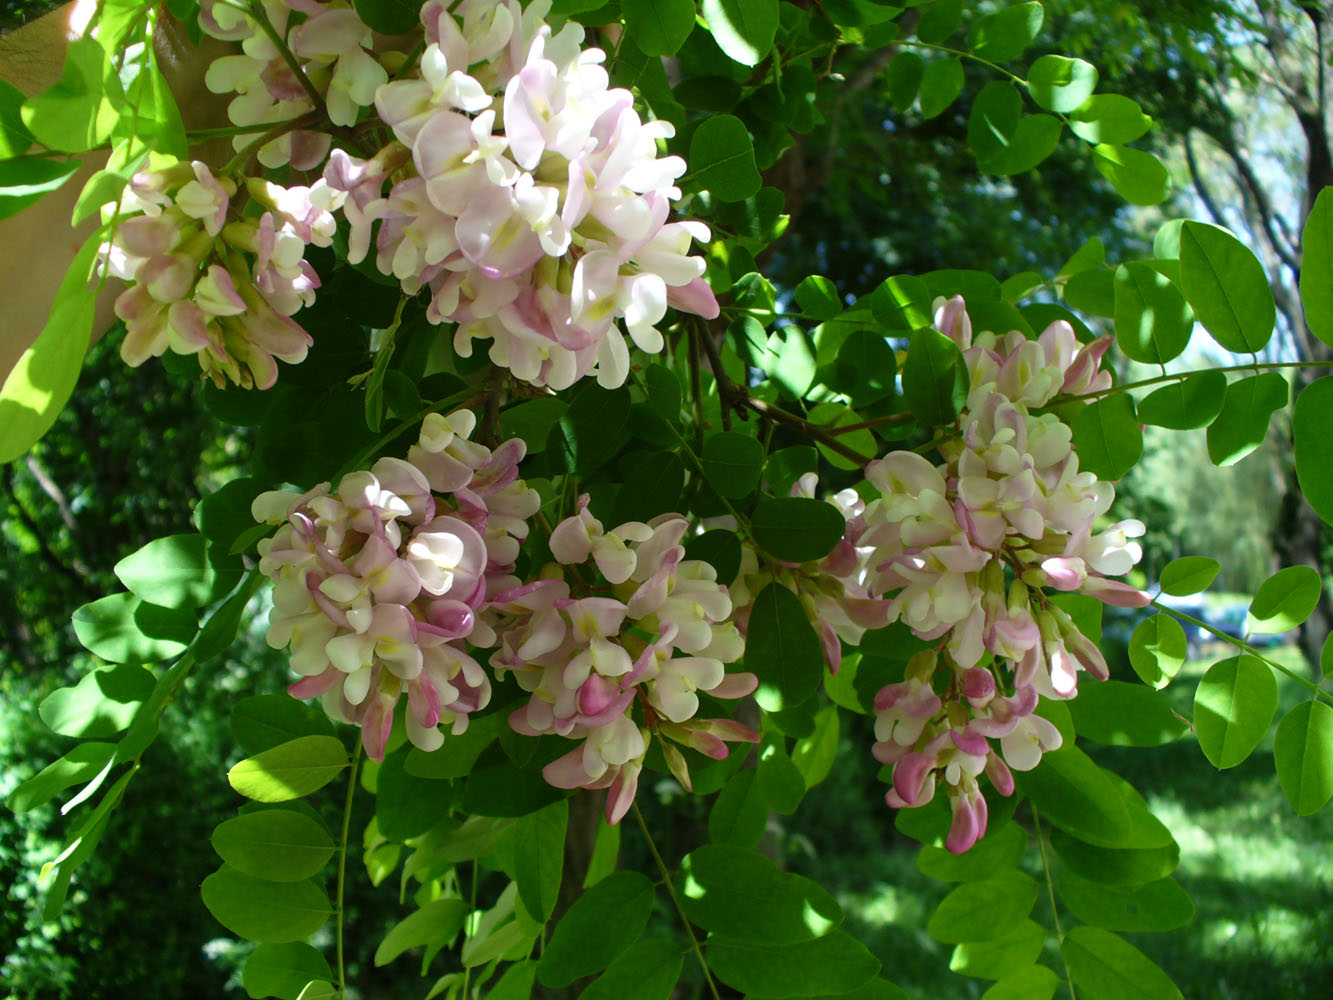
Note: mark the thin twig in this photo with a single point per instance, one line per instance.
(666, 881)
(1050, 889)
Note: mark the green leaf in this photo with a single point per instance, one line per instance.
(267, 912)
(594, 427)
(533, 421)
(940, 20)
(1015, 949)
(1129, 866)
(75, 114)
(1303, 754)
(1091, 255)
(941, 83)
(1326, 657)
(282, 970)
(722, 159)
(782, 649)
(866, 368)
(1157, 651)
(648, 970)
(1036, 982)
(743, 29)
(1004, 140)
(1125, 715)
(601, 924)
(791, 363)
(1233, 707)
(15, 139)
(904, 78)
(935, 378)
(658, 27)
(173, 572)
(814, 754)
(539, 857)
(388, 17)
(1157, 906)
(903, 302)
(436, 922)
(1138, 177)
(833, 415)
(1061, 84)
(290, 770)
(1106, 967)
(1077, 796)
(818, 297)
(102, 703)
(263, 721)
(1284, 600)
(1188, 575)
(740, 812)
(36, 389)
(1189, 404)
(740, 893)
(979, 911)
(1109, 119)
(1247, 407)
(80, 764)
(1092, 291)
(834, 964)
(279, 845)
(23, 182)
(720, 548)
(781, 784)
(786, 466)
(1107, 437)
(999, 850)
(1312, 428)
(1004, 35)
(1152, 320)
(1317, 268)
(733, 463)
(122, 629)
(653, 481)
(797, 529)
(1226, 285)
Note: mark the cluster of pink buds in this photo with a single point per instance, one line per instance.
(969, 550)
(222, 290)
(332, 49)
(526, 195)
(588, 661)
(379, 583)
(835, 590)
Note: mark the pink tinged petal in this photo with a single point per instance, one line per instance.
(216, 293)
(832, 646)
(567, 771)
(969, 822)
(329, 33)
(495, 238)
(734, 686)
(1000, 775)
(978, 685)
(696, 297)
(676, 764)
(313, 687)
(621, 794)
(909, 777)
(1065, 572)
(375, 729)
(1116, 593)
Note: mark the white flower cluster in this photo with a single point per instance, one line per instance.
(379, 583)
(207, 281)
(587, 661)
(968, 550)
(526, 194)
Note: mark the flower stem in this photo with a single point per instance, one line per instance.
(666, 881)
(1050, 890)
(342, 866)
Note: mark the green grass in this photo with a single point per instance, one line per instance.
(1261, 877)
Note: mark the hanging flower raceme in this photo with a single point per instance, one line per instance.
(205, 280)
(614, 671)
(379, 582)
(527, 195)
(969, 551)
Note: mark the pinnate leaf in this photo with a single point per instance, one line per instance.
(290, 770)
